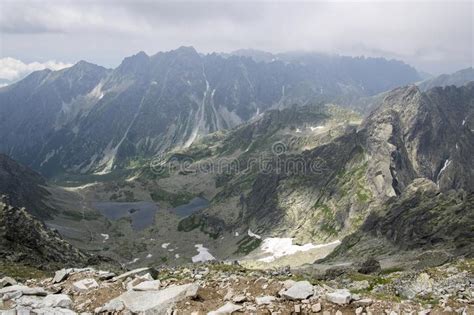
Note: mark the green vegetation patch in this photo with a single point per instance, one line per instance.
(22, 272)
(247, 245)
(174, 199)
(193, 222)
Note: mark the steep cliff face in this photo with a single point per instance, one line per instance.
(87, 119)
(415, 134)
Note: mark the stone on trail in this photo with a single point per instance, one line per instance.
(85, 285)
(147, 286)
(316, 308)
(156, 302)
(263, 300)
(138, 272)
(60, 275)
(226, 309)
(105, 275)
(339, 297)
(112, 306)
(239, 299)
(299, 291)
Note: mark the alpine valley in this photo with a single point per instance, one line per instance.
(292, 182)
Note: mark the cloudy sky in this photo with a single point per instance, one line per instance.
(434, 36)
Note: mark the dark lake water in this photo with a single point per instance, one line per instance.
(194, 205)
(142, 213)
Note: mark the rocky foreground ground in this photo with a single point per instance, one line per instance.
(231, 289)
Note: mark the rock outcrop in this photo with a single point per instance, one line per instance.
(25, 240)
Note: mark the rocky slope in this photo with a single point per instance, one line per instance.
(372, 167)
(87, 119)
(27, 241)
(231, 289)
(24, 187)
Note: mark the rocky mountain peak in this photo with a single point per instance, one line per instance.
(135, 64)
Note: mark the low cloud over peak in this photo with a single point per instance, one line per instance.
(434, 36)
(12, 69)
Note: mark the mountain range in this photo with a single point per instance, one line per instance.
(181, 152)
(88, 119)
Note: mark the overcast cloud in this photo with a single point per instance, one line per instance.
(434, 36)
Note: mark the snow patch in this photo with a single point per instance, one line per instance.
(133, 261)
(278, 247)
(149, 256)
(165, 245)
(236, 234)
(446, 164)
(76, 188)
(251, 234)
(316, 128)
(48, 156)
(203, 254)
(176, 256)
(105, 236)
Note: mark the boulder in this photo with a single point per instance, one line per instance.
(147, 286)
(339, 297)
(138, 272)
(60, 275)
(239, 299)
(156, 302)
(265, 300)
(105, 275)
(299, 291)
(112, 306)
(226, 309)
(316, 308)
(7, 281)
(85, 285)
(371, 265)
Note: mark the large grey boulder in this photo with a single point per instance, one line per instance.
(299, 291)
(60, 275)
(265, 300)
(156, 302)
(339, 297)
